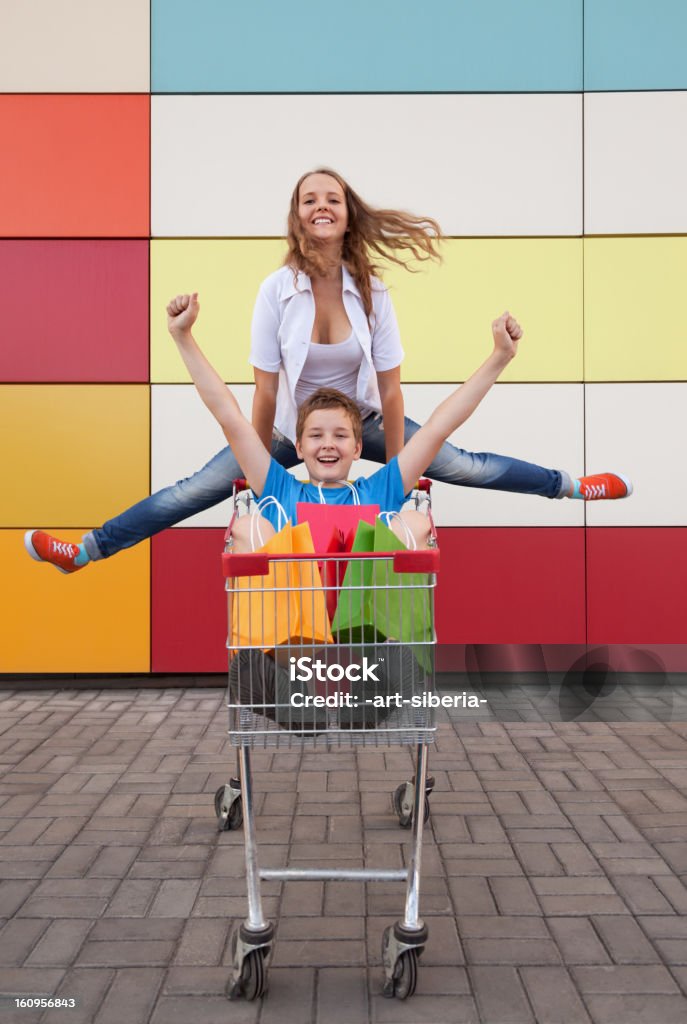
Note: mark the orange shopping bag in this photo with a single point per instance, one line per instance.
(285, 606)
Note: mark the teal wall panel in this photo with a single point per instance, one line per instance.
(635, 44)
(384, 46)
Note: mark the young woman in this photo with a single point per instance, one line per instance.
(325, 318)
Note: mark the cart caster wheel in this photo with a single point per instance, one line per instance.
(403, 805)
(253, 981)
(404, 981)
(231, 818)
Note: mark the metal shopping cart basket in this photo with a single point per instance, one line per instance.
(369, 684)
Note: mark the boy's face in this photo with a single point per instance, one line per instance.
(328, 446)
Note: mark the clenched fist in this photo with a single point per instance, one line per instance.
(507, 332)
(182, 313)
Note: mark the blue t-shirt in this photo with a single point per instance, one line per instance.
(383, 488)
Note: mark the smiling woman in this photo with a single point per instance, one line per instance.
(325, 318)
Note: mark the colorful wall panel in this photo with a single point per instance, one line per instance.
(439, 47)
(75, 46)
(557, 177)
(77, 167)
(224, 183)
(75, 311)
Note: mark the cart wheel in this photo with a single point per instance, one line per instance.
(405, 818)
(233, 818)
(404, 981)
(253, 981)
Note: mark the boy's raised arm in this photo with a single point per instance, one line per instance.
(418, 454)
(254, 460)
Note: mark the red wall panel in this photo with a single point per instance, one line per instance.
(511, 585)
(76, 166)
(189, 605)
(637, 585)
(74, 311)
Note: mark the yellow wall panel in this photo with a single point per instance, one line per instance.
(226, 273)
(446, 311)
(72, 453)
(635, 324)
(97, 620)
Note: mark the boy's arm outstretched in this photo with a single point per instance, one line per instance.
(419, 452)
(252, 456)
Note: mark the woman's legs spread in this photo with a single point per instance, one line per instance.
(474, 469)
(208, 487)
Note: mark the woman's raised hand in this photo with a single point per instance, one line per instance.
(507, 333)
(182, 313)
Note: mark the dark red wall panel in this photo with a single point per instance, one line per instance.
(189, 605)
(74, 311)
(637, 585)
(511, 585)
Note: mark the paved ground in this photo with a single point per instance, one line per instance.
(553, 878)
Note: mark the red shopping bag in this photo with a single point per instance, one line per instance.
(332, 528)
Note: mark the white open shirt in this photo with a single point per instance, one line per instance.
(282, 327)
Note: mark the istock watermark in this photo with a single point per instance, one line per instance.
(302, 670)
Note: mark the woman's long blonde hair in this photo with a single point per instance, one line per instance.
(370, 232)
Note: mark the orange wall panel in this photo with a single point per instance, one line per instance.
(72, 453)
(97, 620)
(76, 166)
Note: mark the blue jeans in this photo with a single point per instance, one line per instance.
(213, 484)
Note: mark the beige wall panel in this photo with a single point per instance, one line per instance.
(75, 46)
(639, 430)
(480, 164)
(540, 423)
(635, 163)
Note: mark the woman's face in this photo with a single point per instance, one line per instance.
(322, 208)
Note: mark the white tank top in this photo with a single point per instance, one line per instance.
(330, 366)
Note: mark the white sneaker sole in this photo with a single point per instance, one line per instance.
(628, 484)
(28, 544)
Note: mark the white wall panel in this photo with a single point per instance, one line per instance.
(639, 430)
(537, 422)
(540, 423)
(480, 164)
(75, 46)
(184, 436)
(635, 163)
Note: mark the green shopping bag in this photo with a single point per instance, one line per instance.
(401, 608)
(377, 604)
(352, 617)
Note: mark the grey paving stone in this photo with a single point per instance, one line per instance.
(500, 995)
(88, 989)
(577, 941)
(60, 943)
(17, 939)
(553, 996)
(341, 995)
(131, 996)
(635, 980)
(625, 940)
(631, 1009)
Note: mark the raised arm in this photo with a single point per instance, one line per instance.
(252, 456)
(458, 407)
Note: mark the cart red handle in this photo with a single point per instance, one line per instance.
(257, 563)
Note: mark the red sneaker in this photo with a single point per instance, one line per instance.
(45, 548)
(604, 486)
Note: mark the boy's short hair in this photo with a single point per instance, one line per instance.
(330, 398)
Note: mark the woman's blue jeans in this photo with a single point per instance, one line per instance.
(213, 484)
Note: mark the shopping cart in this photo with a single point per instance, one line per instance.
(360, 687)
